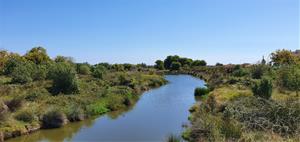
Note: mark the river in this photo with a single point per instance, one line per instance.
(159, 113)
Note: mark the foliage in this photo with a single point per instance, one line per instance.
(23, 72)
(83, 69)
(64, 79)
(201, 91)
(199, 63)
(284, 57)
(257, 71)
(75, 113)
(15, 103)
(97, 108)
(64, 59)
(54, 119)
(25, 116)
(99, 71)
(263, 88)
(175, 66)
(289, 78)
(159, 64)
(38, 55)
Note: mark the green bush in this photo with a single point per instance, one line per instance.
(257, 71)
(40, 72)
(64, 79)
(23, 72)
(84, 69)
(263, 88)
(25, 116)
(96, 109)
(201, 91)
(54, 119)
(99, 71)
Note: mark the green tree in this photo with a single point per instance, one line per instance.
(169, 60)
(263, 88)
(185, 61)
(257, 71)
(38, 55)
(199, 63)
(59, 59)
(175, 66)
(64, 79)
(159, 64)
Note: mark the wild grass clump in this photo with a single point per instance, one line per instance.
(173, 138)
(97, 108)
(25, 116)
(54, 119)
(15, 103)
(75, 113)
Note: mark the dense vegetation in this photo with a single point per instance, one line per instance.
(38, 92)
(258, 102)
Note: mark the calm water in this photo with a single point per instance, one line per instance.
(159, 113)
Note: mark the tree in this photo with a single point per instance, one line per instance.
(159, 64)
(263, 88)
(289, 78)
(59, 59)
(185, 61)
(199, 63)
(169, 60)
(64, 79)
(38, 55)
(283, 57)
(175, 66)
(219, 64)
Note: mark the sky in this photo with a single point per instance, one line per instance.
(136, 31)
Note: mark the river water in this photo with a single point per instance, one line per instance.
(158, 113)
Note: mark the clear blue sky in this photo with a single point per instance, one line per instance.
(134, 31)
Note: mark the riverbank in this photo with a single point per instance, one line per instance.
(96, 97)
(233, 112)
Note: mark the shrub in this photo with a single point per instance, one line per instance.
(159, 64)
(64, 79)
(201, 91)
(54, 119)
(289, 78)
(266, 115)
(96, 108)
(25, 116)
(99, 71)
(38, 55)
(40, 72)
(263, 88)
(84, 69)
(15, 104)
(258, 71)
(23, 72)
(75, 113)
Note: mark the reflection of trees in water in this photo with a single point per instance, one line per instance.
(55, 135)
(68, 131)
